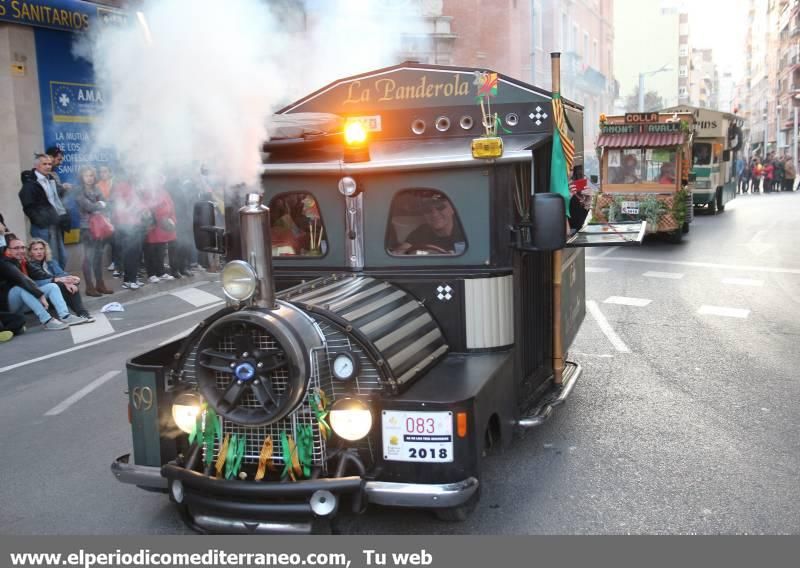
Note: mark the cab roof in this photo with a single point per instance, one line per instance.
(418, 116)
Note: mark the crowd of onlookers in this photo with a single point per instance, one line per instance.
(757, 175)
(141, 222)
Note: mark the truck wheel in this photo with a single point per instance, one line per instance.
(675, 236)
(712, 207)
(685, 228)
(462, 512)
(720, 205)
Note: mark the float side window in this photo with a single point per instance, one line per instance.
(296, 226)
(424, 222)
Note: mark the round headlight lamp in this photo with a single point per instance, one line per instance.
(347, 186)
(239, 280)
(351, 419)
(185, 409)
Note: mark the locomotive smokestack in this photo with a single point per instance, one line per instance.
(254, 227)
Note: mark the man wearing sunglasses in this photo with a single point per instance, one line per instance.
(440, 233)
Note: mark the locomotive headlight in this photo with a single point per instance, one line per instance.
(351, 419)
(185, 410)
(239, 280)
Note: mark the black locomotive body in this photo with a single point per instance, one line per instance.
(390, 315)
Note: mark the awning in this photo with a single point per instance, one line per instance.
(641, 139)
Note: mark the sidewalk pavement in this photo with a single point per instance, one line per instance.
(148, 290)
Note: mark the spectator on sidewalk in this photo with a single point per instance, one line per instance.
(11, 325)
(4, 235)
(41, 202)
(43, 269)
(182, 193)
(161, 235)
(106, 186)
(789, 173)
(18, 291)
(58, 156)
(90, 202)
(128, 215)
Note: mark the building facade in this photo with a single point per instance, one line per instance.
(516, 37)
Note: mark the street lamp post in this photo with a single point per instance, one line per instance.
(664, 67)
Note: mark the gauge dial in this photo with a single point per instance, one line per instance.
(345, 366)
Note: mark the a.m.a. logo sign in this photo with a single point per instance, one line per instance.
(75, 102)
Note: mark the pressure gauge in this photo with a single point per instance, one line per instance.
(345, 366)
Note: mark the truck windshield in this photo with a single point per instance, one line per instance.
(701, 154)
(638, 165)
(296, 226)
(422, 222)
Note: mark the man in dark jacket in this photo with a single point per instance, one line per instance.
(17, 291)
(41, 202)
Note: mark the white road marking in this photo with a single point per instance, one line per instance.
(623, 301)
(89, 331)
(724, 312)
(181, 335)
(605, 327)
(63, 405)
(195, 297)
(601, 356)
(742, 282)
(606, 252)
(668, 275)
(737, 267)
(165, 292)
(597, 269)
(108, 338)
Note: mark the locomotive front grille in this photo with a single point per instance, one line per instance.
(255, 436)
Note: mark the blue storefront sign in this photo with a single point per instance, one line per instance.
(70, 99)
(64, 15)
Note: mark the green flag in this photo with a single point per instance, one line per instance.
(558, 171)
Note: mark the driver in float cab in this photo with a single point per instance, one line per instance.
(439, 234)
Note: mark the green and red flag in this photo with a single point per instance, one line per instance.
(487, 84)
(563, 154)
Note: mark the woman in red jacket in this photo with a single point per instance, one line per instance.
(161, 235)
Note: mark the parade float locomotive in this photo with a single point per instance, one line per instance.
(397, 309)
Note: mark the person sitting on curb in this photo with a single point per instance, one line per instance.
(11, 325)
(17, 291)
(43, 269)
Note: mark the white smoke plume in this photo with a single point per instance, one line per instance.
(194, 81)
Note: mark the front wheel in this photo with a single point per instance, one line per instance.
(685, 228)
(720, 205)
(462, 512)
(675, 237)
(712, 207)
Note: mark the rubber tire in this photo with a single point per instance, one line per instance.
(462, 512)
(685, 228)
(720, 206)
(712, 207)
(675, 237)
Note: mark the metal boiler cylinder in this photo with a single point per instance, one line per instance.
(254, 227)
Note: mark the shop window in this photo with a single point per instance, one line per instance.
(297, 229)
(637, 165)
(424, 222)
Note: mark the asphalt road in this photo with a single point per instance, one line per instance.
(686, 418)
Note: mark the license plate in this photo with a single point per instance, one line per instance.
(630, 207)
(417, 436)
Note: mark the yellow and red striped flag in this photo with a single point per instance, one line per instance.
(563, 154)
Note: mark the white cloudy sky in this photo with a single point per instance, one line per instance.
(720, 25)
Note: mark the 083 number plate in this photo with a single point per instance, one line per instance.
(417, 436)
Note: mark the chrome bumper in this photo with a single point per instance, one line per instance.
(393, 494)
(140, 475)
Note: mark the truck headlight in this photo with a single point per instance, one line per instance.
(185, 410)
(239, 280)
(351, 419)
